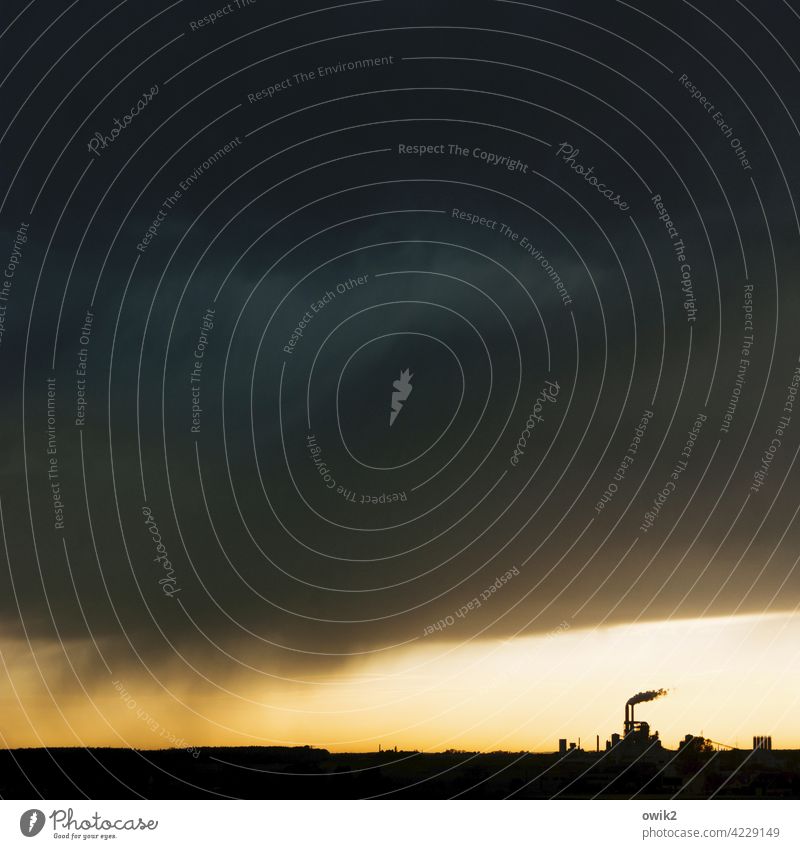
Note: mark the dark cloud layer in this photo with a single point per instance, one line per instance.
(320, 194)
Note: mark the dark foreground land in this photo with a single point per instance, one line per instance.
(308, 773)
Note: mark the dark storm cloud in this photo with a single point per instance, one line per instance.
(266, 591)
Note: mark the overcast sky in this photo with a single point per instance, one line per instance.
(573, 225)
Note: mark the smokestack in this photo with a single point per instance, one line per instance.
(598, 742)
(645, 696)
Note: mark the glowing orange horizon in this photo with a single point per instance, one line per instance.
(729, 680)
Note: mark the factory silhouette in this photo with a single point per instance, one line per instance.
(636, 738)
(633, 764)
(636, 741)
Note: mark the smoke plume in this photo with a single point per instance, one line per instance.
(647, 696)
